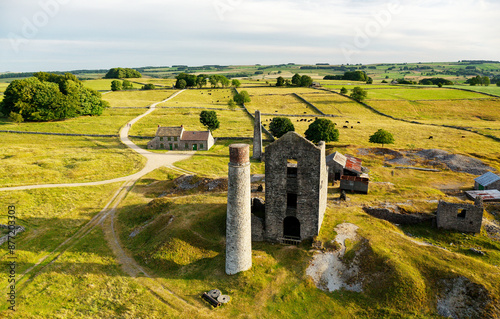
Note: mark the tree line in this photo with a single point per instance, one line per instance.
(297, 80)
(185, 80)
(122, 73)
(50, 97)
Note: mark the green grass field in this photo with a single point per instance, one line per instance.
(40, 159)
(186, 256)
(137, 98)
(232, 123)
(109, 123)
(421, 94)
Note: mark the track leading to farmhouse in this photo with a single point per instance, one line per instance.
(106, 219)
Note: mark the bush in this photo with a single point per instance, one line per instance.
(116, 85)
(279, 126)
(148, 87)
(16, 117)
(343, 90)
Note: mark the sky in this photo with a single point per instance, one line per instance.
(62, 35)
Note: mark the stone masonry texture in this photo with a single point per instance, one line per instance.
(238, 222)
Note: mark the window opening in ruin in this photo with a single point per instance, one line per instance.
(291, 228)
(462, 214)
(291, 168)
(291, 200)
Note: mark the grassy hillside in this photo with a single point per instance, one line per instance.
(178, 236)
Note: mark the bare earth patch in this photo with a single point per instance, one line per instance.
(328, 271)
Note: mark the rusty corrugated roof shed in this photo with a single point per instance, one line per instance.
(353, 163)
(487, 196)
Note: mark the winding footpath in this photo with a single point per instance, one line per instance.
(106, 219)
(154, 160)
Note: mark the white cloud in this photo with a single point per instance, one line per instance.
(198, 32)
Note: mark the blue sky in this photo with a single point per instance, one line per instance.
(89, 34)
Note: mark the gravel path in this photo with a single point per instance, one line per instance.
(154, 160)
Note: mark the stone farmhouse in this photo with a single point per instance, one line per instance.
(296, 189)
(176, 138)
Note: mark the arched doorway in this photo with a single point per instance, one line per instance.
(291, 228)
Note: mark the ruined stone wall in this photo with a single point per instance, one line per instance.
(257, 137)
(460, 217)
(396, 218)
(310, 186)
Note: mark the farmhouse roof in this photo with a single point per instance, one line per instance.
(336, 157)
(169, 131)
(195, 136)
(487, 179)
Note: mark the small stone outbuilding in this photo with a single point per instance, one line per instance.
(176, 138)
(460, 217)
(488, 181)
(296, 188)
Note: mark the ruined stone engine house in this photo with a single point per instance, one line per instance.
(296, 190)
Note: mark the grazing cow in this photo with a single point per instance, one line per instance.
(352, 126)
(347, 121)
(431, 137)
(359, 122)
(275, 111)
(305, 112)
(345, 126)
(463, 136)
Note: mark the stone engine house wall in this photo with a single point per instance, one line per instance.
(296, 188)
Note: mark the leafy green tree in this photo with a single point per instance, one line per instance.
(369, 80)
(486, 81)
(116, 85)
(296, 80)
(91, 102)
(190, 79)
(55, 97)
(127, 85)
(236, 83)
(224, 81)
(343, 90)
(214, 80)
(209, 120)
(242, 97)
(279, 126)
(148, 86)
(498, 83)
(201, 80)
(359, 94)
(181, 84)
(280, 81)
(322, 130)
(306, 81)
(382, 137)
(231, 104)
